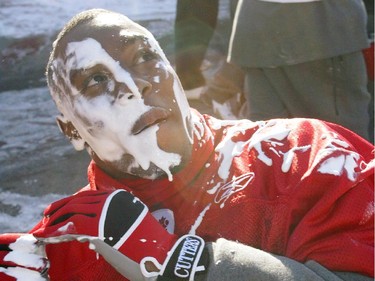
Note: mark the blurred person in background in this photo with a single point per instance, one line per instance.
(221, 85)
(303, 58)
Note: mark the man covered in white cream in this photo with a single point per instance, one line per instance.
(176, 195)
(114, 77)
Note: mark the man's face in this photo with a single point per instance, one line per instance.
(124, 98)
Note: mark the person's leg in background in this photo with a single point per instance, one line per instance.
(332, 89)
(369, 59)
(224, 81)
(262, 98)
(194, 26)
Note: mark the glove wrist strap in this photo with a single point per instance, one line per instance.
(187, 257)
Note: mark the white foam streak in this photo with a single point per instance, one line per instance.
(337, 165)
(22, 274)
(80, 58)
(112, 137)
(199, 220)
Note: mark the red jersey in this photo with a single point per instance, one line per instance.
(300, 188)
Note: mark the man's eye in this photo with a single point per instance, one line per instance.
(145, 56)
(96, 79)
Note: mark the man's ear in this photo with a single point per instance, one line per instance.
(68, 129)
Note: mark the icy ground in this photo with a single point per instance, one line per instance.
(20, 18)
(37, 164)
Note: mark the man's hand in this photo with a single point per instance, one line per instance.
(21, 256)
(124, 222)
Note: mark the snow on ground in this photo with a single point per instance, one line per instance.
(26, 122)
(20, 18)
(28, 137)
(22, 217)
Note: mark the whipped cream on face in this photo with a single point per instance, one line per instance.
(112, 118)
(80, 58)
(110, 135)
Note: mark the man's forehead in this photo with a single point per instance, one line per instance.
(118, 22)
(108, 29)
(113, 20)
(108, 36)
(130, 37)
(107, 19)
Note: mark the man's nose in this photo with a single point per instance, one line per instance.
(144, 86)
(139, 89)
